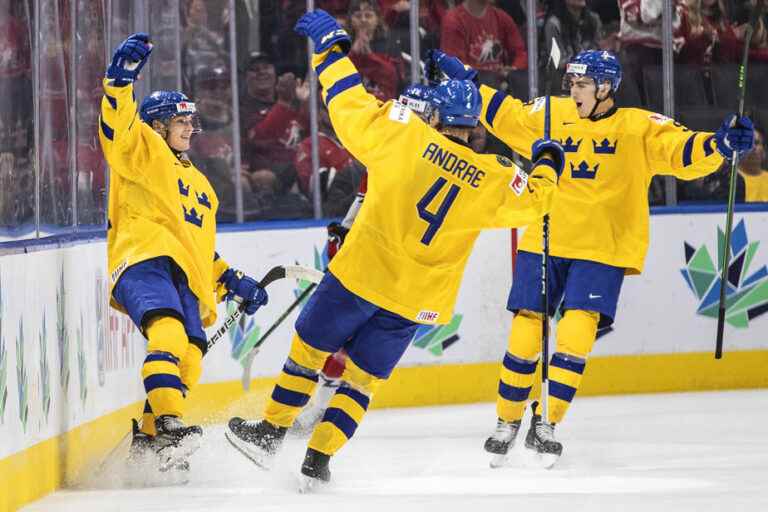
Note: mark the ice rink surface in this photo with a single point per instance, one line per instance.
(676, 452)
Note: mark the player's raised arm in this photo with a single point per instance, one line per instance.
(119, 121)
(531, 195)
(675, 150)
(351, 108)
(505, 116)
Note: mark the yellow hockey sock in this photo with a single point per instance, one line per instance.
(191, 366)
(576, 334)
(519, 365)
(162, 380)
(295, 384)
(148, 420)
(345, 411)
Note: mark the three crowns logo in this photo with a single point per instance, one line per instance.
(746, 294)
(605, 147)
(569, 146)
(583, 171)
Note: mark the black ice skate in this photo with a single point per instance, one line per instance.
(142, 466)
(541, 439)
(259, 441)
(501, 440)
(314, 470)
(175, 442)
(142, 446)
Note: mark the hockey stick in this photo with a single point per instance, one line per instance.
(732, 186)
(248, 361)
(554, 58)
(274, 274)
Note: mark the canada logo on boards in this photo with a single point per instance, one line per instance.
(746, 291)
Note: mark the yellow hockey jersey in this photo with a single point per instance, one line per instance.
(428, 198)
(158, 205)
(755, 187)
(601, 213)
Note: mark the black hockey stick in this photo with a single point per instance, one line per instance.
(742, 84)
(248, 360)
(274, 274)
(554, 58)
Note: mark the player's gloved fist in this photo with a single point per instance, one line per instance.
(440, 62)
(324, 31)
(735, 136)
(548, 152)
(336, 235)
(129, 58)
(244, 289)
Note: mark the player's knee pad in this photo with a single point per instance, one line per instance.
(191, 366)
(304, 354)
(167, 334)
(525, 335)
(576, 332)
(359, 379)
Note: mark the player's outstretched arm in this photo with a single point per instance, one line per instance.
(352, 110)
(506, 117)
(675, 150)
(118, 122)
(529, 197)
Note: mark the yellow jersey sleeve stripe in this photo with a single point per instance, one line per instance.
(342, 85)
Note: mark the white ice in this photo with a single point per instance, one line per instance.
(677, 452)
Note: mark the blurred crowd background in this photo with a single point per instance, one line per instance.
(247, 71)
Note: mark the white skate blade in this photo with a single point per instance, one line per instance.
(548, 460)
(171, 456)
(255, 454)
(307, 484)
(498, 461)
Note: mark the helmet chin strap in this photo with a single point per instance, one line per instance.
(598, 101)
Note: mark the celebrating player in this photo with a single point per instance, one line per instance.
(160, 241)
(416, 97)
(429, 195)
(598, 226)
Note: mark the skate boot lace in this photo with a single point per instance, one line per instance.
(505, 430)
(545, 431)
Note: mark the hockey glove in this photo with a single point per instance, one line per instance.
(129, 58)
(548, 152)
(336, 235)
(439, 62)
(244, 290)
(735, 136)
(324, 31)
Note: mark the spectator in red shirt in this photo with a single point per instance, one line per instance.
(483, 37)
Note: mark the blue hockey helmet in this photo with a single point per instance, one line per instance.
(164, 105)
(418, 97)
(601, 66)
(458, 102)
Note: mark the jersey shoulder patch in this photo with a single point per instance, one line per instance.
(659, 118)
(519, 182)
(399, 112)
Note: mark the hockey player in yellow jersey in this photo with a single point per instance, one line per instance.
(598, 226)
(165, 273)
(428, 197)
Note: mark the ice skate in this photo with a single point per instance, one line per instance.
(259, 441)
(501, 440)
(541, 439)
(175, 442)
(314, 470)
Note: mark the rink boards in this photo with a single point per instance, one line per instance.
(69, 366)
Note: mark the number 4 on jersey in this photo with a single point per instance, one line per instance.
(435, 220)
